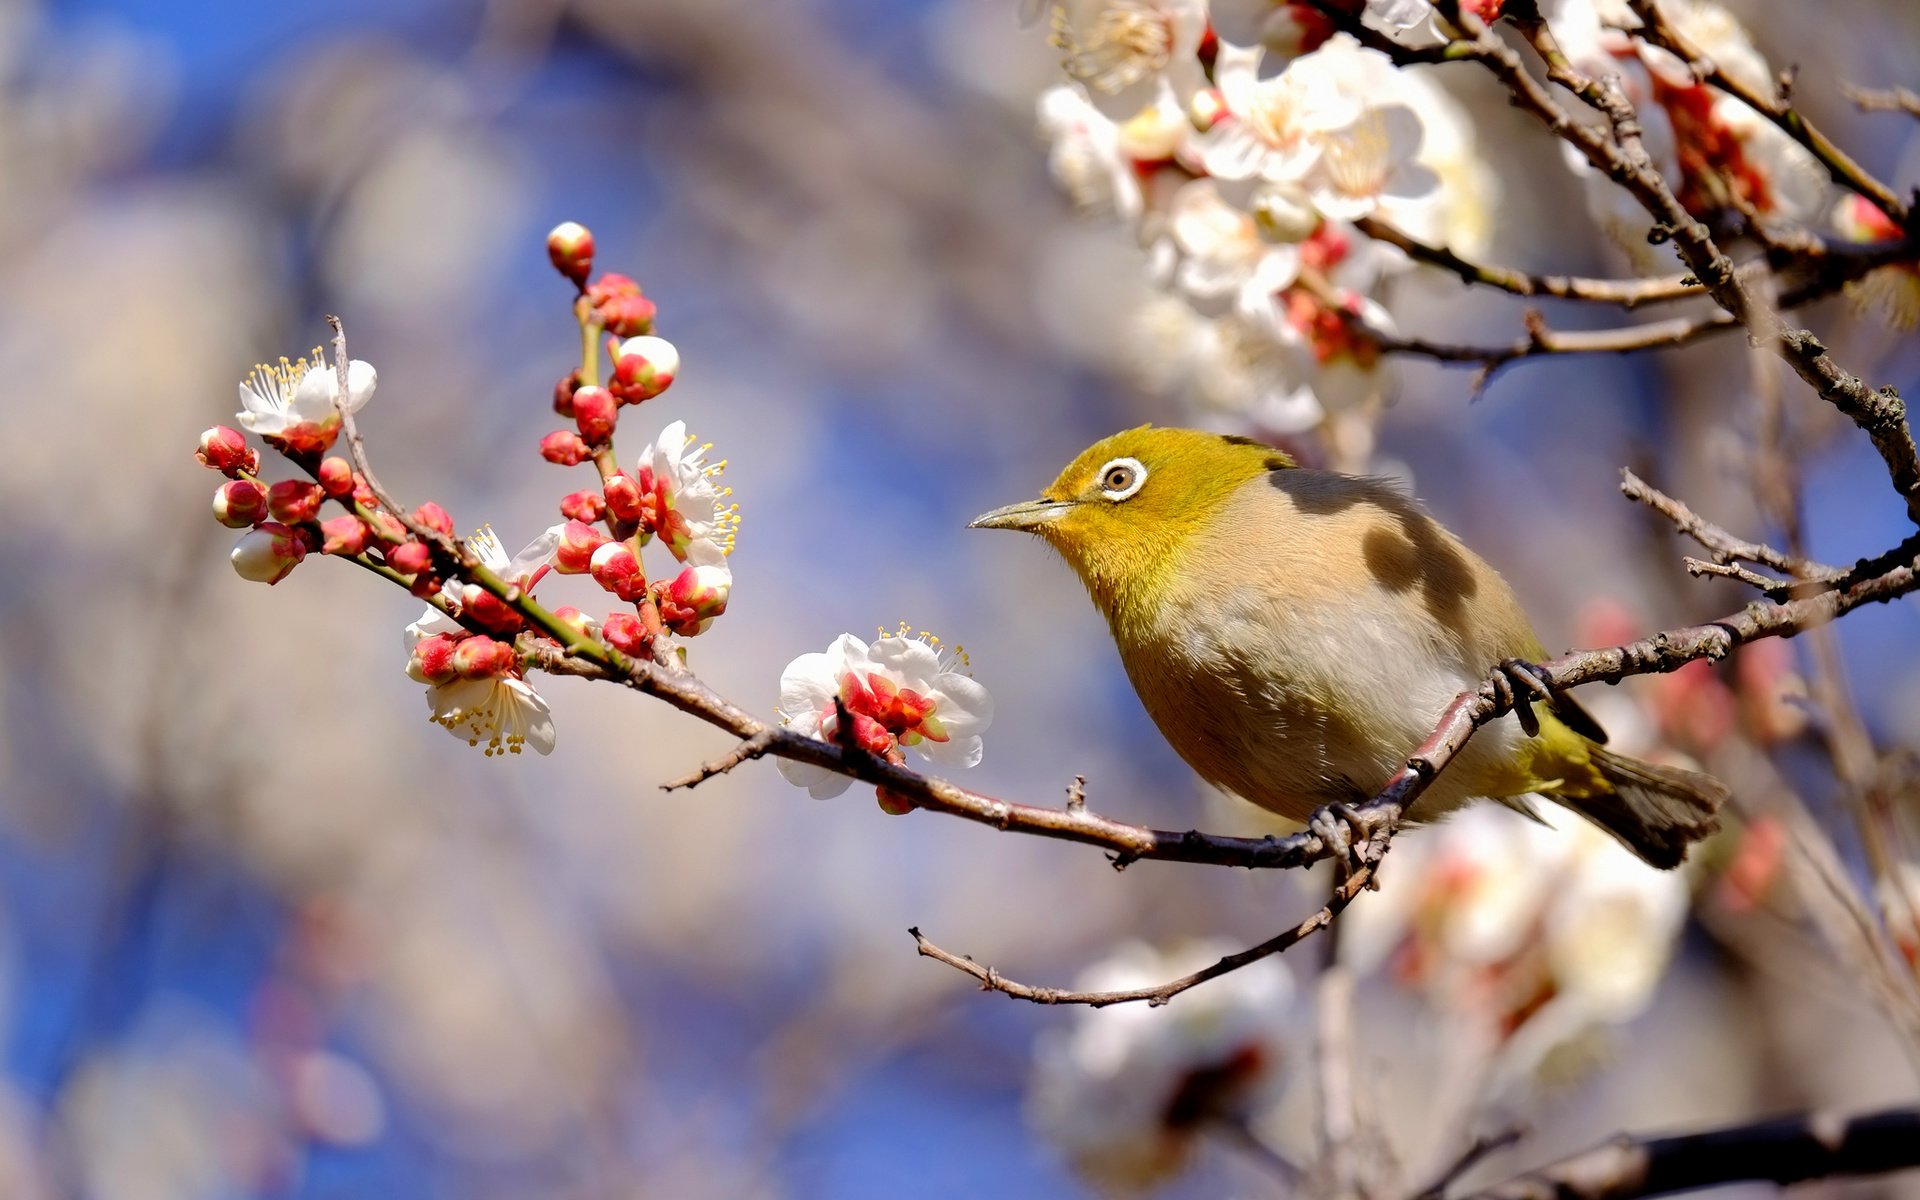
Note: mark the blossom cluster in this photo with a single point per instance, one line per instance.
(1250, 149)
(1240, 145)
(472, 647)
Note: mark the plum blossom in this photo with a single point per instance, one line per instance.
(1273, 129)
(1126, 1091)
(489, 701)
(681, 501)
(903, 690)
(1224, 262)
(292, 402)
(1121, 50)
(1372, 161)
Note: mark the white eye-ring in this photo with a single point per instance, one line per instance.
(1121, 478)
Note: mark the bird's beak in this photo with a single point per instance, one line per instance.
(1028, 516)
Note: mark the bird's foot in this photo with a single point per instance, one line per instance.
(1517, 683)
(1348, 831)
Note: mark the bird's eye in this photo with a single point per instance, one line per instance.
(1121, 478)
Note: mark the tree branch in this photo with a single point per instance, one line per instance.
(1840, 167)
(1895, 99)
(1627, 293)
(1784, 1151)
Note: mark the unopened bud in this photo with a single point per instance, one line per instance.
(435, 518)
(692, 599)
(563, 446)
(225, 449)
(481, 605)
(240, 504)
(892, 802)
(615, 568)
(563, 394)
(625, 633)
(596, 412)
(578, 542)
(481, 657)
(295, 501)
(1207, 109)
(628, 316)
(345, 534)
(336, 477)
(623, 498)
(363, 492)
(425, 586)
(643, 368)
(410, 558)
(387, 527)
(570, 249)
(267, 553)
(584, 505)
(576, 620)
(432, 660)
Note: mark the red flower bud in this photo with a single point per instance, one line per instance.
(643, 368)
(623, 498)
(240, 504)
(570, 249)
(336, 477)
(345, 534)
(563, 394)
(424, 586)
(627, 316)
(387, 527)
(564, 447)
(578, 541)
(432, 660)
(583, 505)
(480, 657)
(225, 449)
(574, 619)
(295, 501)
(610, 285)
(625, 633)
(615, 568)
(892, 802)
(435, 518)
(268, 553)
(489, 610)
(410, 558)
(596, 412)
(363, 492)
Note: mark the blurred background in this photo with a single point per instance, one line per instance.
(264, 931)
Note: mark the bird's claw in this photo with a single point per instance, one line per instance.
(1348, 831)
(1517, 683)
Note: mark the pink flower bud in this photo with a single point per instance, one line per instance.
(578, 542)
(336, 477)
(570, 249)
(387, 527)
(893, 803)
(345, 534)
(295, 501)
(432, 660)
(692, 599)
(480, 657)
(240, 504)
(623, 498)
(268, 553)
(410, 558)
(610, 285)
(1207, 109)
(576, 620)
(643, 368)
(363, 492)
(424, 586)
(627, 316)
(564, 447)
(225, 450)
(489, 610)
(625, 633)
(563, 394)
(596, 412)
(435, 518)
(583, 505)
(615, 568)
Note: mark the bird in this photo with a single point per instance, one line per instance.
(1295, 633)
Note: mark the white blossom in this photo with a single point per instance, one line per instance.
(281, 399)
(1122, 50)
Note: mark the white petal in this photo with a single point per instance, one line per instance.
(808, 685)
(820, 783)
(430, 622)
(535, 554)
(361, 378)
(955, 751)
(908, 660)
(965, 706)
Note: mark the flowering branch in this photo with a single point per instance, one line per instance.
(1845, 172)
(1784, 1151)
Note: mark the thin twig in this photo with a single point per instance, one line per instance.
(1844, 171)
(1482, 1147)
(1785, 1151)
(1156, 994)
(1894, 99)
(1627, 293)
(1339, 1121)
(743, 751)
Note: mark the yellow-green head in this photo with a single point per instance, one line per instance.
(1121, 511)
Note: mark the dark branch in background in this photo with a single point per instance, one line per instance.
(1541, 341)
(1627, 293)
(1785, 1151)
(1896, 99)
(1776, 108)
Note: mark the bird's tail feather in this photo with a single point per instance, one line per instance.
(1656, 811)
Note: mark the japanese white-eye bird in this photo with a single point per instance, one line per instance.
(1295, 634)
